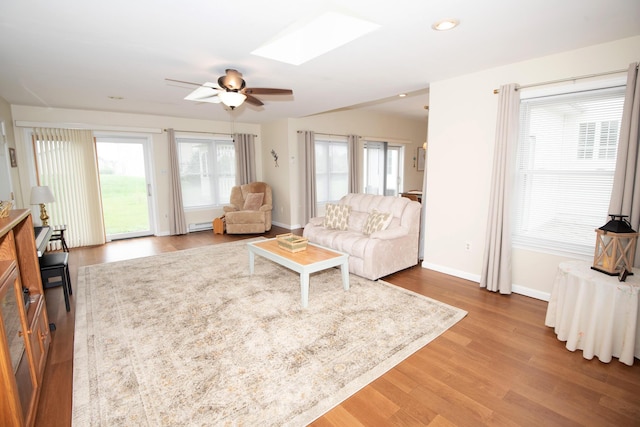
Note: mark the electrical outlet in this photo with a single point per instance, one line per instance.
(467, 246)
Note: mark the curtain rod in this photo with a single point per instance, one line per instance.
(367, 138)
(328, 134)
(200, 131)
(588, 76)
(88, 126)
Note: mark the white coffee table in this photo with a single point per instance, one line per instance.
(314, 258)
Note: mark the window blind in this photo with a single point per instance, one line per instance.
(564, 169)
(207, 171)
(332, 169)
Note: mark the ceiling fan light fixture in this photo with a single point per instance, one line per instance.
(232, 99)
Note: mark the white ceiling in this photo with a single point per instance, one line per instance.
(78, 53)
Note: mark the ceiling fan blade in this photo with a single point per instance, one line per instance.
(182, 81)
(253, 100)
(205, 94)
(266, 91)
(207, 84)
(212, 99)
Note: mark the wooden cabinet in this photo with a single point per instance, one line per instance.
(24, 325)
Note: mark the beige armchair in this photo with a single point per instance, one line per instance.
(250, 209)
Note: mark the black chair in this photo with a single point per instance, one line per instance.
(58, 235)
(55, 265)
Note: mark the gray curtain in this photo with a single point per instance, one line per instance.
(355, 185)
(306, 145)
(177, 221)
(625, 196)
(496, 266)
(245, 158)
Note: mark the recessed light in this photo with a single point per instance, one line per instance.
(445, 24)
(402, 95)
(116, 98)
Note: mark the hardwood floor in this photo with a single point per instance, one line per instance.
(498, 366)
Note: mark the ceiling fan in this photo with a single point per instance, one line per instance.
(230, 90)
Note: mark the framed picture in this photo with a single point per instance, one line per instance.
(12, 157)
(422, 155)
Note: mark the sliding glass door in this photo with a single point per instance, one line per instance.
(382, 168)
(125, 184)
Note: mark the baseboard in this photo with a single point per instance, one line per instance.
(516, 289)
(452, 272)
(287, 226)
(532, 293)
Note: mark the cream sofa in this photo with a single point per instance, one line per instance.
(382, 252)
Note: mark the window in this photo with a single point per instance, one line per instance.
(332, 169)
(383, 168)
(609, 139)
(607, 132)
(565, 164)
(207, 170)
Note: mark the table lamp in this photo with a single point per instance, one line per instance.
(39, 196)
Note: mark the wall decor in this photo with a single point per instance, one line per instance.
(275, 157)
(422, 155)
(12, 157)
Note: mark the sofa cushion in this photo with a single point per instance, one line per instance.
(376, 221)
(337, 216)
(353, 243)
(245, 217)
(357, 220)
(253, 201)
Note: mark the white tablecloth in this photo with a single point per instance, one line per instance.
(596, 313)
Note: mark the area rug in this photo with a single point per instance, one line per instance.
(189, 338)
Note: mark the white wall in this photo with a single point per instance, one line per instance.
(462, 117)
(275, 137)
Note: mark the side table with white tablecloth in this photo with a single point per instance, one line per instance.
(595, 312)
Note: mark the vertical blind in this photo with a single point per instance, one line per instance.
(332, 170)
(66, 162)
(564, 172)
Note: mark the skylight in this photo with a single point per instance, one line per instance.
(300, 43)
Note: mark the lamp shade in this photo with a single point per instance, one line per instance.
(232, 99)
(41, 194)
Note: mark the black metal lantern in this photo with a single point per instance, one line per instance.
(615, 247)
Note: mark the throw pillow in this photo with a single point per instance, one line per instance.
(337, 216)
(253, 201)
(376, 221)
